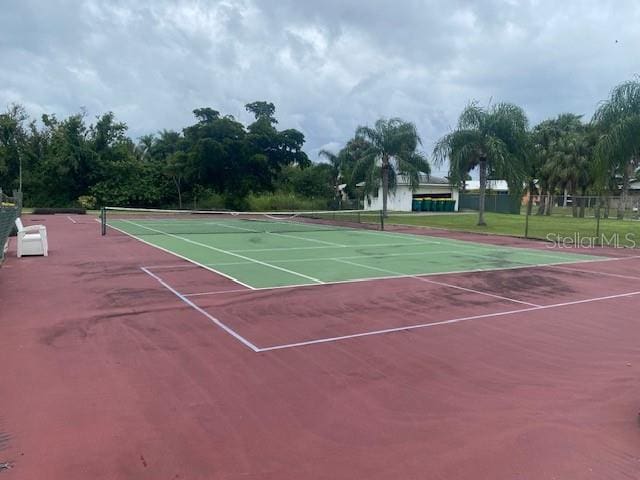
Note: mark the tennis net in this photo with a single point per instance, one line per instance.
(145, 221)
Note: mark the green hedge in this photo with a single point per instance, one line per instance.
(53, 211)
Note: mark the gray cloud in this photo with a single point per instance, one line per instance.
(328, 66)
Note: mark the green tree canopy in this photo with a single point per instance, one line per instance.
(618, 148)
(386, 150)
(494, 140)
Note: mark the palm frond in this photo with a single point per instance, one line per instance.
(624, 100)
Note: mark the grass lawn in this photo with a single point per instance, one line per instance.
(551, 227)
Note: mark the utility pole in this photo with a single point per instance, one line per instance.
(19, 169)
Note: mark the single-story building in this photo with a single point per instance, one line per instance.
(493, 186)
(401, 199)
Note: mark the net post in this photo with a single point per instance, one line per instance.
(103, 221)
(381, 220)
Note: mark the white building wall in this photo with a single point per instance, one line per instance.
(401, 199)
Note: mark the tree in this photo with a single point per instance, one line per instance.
(71, 158)
(270, 149)
(178, 167)
(12, 138)
(335, 169)
(618, 148)
(168, 150)
(314, 182)
(494, 140)
(563, 149)
(264, 110)
(542, 138)
(206, 115)
(145, 147)
(389, 149)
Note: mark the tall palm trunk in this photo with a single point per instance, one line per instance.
(574, 202)
(542, 201)
(532, 188)
(385, 184)
(584, 202)
(624, 195)
(483, 186)
(179, 189)
(549, 200)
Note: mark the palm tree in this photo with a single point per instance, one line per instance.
(494, 140)
(178, 167)
(387, 150)
(145, 145)
(564, 146)
(618, 149)
(335, 161)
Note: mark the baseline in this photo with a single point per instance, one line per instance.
(445, 322)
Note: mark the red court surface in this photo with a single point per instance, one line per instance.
(114, 372)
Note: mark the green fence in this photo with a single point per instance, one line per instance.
(564, 220)
(8, 216)
(499, 203)
(10, 208)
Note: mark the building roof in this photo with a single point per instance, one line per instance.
(424, 180)
(495, 185)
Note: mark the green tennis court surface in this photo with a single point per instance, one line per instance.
(285, 253)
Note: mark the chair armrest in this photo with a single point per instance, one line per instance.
(33, 228)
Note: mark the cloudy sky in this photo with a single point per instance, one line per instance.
(328, 65)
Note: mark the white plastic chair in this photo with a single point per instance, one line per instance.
(32, 240)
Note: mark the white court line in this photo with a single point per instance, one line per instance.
(71, 219)
(607, 274)
(309, 239)
(316, 259)
(227, 252)
(376, 255)
(229, 226)
(537, 253)
(449, 285)
(445, 322)
(365, 279)
(231, 332)
(181, 265)
(374, 332)
(373, 255)
(455, 244)
(217, 292)
(183, 257)
(434, 274)
(280, 249)
(399, 234)
(524, 250)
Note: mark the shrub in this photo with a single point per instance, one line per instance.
(53, 211)
(283, 201)
(208, 200)
(87, 201)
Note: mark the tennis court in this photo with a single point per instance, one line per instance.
(262, 251)
(315, 347)
(219, 259)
